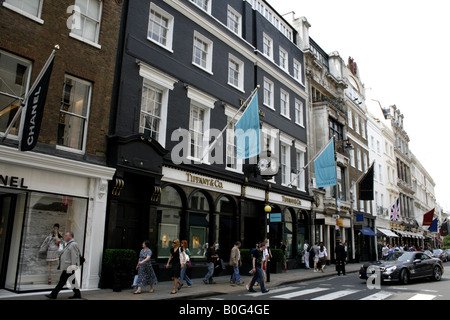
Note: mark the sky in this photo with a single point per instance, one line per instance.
(401, 49)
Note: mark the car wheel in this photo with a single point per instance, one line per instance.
(437, 273)
(404, 276)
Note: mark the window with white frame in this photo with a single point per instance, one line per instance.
(363, 130)
(365, 157)
(151, 109)
(202, 52)
(203, 4)
(268, 93)
(372, 142)
(74, 114)
(284, 103)
(352, 158)
(15, 73)
(285, 164)
(356, 123)
(378, 147)
(86, 26)
(284, 60)
(298, 70)
(199, 123)
(359, 160)
(154, 102)
(267, 46)
(350, 119)
(234, 21)
(380, 172)
(160, 27)
(300, 163)
(235, 72)
(232, 162)
(355, 203)
(299, 113)
(196, 130)
(30, 8)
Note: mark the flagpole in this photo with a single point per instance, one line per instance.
(27, 95)
(311, 161)
(232, 119)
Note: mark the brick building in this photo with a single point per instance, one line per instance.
(65, 178)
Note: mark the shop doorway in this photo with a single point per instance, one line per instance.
(7, 208)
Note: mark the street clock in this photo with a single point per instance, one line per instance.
(267, 165)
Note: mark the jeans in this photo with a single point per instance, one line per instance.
(257, 277)
(306, 260)
(184, 276)
(236, 276)
(209, 275)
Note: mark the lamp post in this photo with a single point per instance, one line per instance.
(268, 210)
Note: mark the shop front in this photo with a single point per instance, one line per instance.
(41, 198)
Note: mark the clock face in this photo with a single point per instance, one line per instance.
(263, 164)
(268, 166)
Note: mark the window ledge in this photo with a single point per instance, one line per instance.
(285, 116)
(299, 124)
(234, 170)
(23, 13)
(204, 69)
(237, 88)
(266, 105)
(89, 42)
(71, 150)
(160, 45)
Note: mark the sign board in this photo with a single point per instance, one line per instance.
(319, 222)
(340, 222)
(275, 217)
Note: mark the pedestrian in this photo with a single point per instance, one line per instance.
(236, 262)
(283, 248)
(258, 275)
(316, 257)
(211, 256)
(341, 258)
(390, 250)
(146, 274)
(52, 246)
(322, 256)
(176, 257)
(267, 255)
(183, 273)
(385, 251)
(306, 249)
(69, 260)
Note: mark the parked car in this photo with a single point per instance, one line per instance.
(448, 252)
(428, 252)
(441, 254)
(403, 266)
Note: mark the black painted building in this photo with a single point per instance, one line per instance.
(184, 69)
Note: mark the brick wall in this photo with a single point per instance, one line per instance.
(27, 38)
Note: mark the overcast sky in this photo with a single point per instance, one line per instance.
(402, 50)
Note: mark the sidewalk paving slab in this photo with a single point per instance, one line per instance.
(197, 291)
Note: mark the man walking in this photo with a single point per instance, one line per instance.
(258, 275)
(236, 262)
(69, 260)
(211, 256)
(341, 258)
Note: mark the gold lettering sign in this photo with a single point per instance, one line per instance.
(291, 200)
(215, 183)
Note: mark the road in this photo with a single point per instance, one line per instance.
(349, 287)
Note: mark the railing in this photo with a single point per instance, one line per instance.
(320, 54)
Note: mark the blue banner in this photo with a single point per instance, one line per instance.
(247, 131)
(325, 167)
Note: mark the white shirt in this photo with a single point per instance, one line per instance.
(323, 253)
(265, 254)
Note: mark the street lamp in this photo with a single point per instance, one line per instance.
(268, 210)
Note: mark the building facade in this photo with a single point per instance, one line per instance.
(64, 180)
(185, 69)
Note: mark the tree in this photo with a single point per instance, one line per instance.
(446, 242)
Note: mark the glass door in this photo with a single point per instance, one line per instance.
(7, 203)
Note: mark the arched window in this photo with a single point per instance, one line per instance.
(198, 224)
(169, 216)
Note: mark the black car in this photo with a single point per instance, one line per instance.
(441, 254)
(405, 265)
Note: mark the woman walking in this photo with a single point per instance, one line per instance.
(187, 253)
(322, 256)
(176, 257)
(146, 274)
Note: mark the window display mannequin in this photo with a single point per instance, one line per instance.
(53, 245)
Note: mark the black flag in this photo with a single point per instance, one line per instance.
(35, 110)
(365, 186)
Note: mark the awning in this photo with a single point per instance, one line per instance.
(368, 232)
(387, 233)
(402, 233)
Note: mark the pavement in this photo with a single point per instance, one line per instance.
(197, 291)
